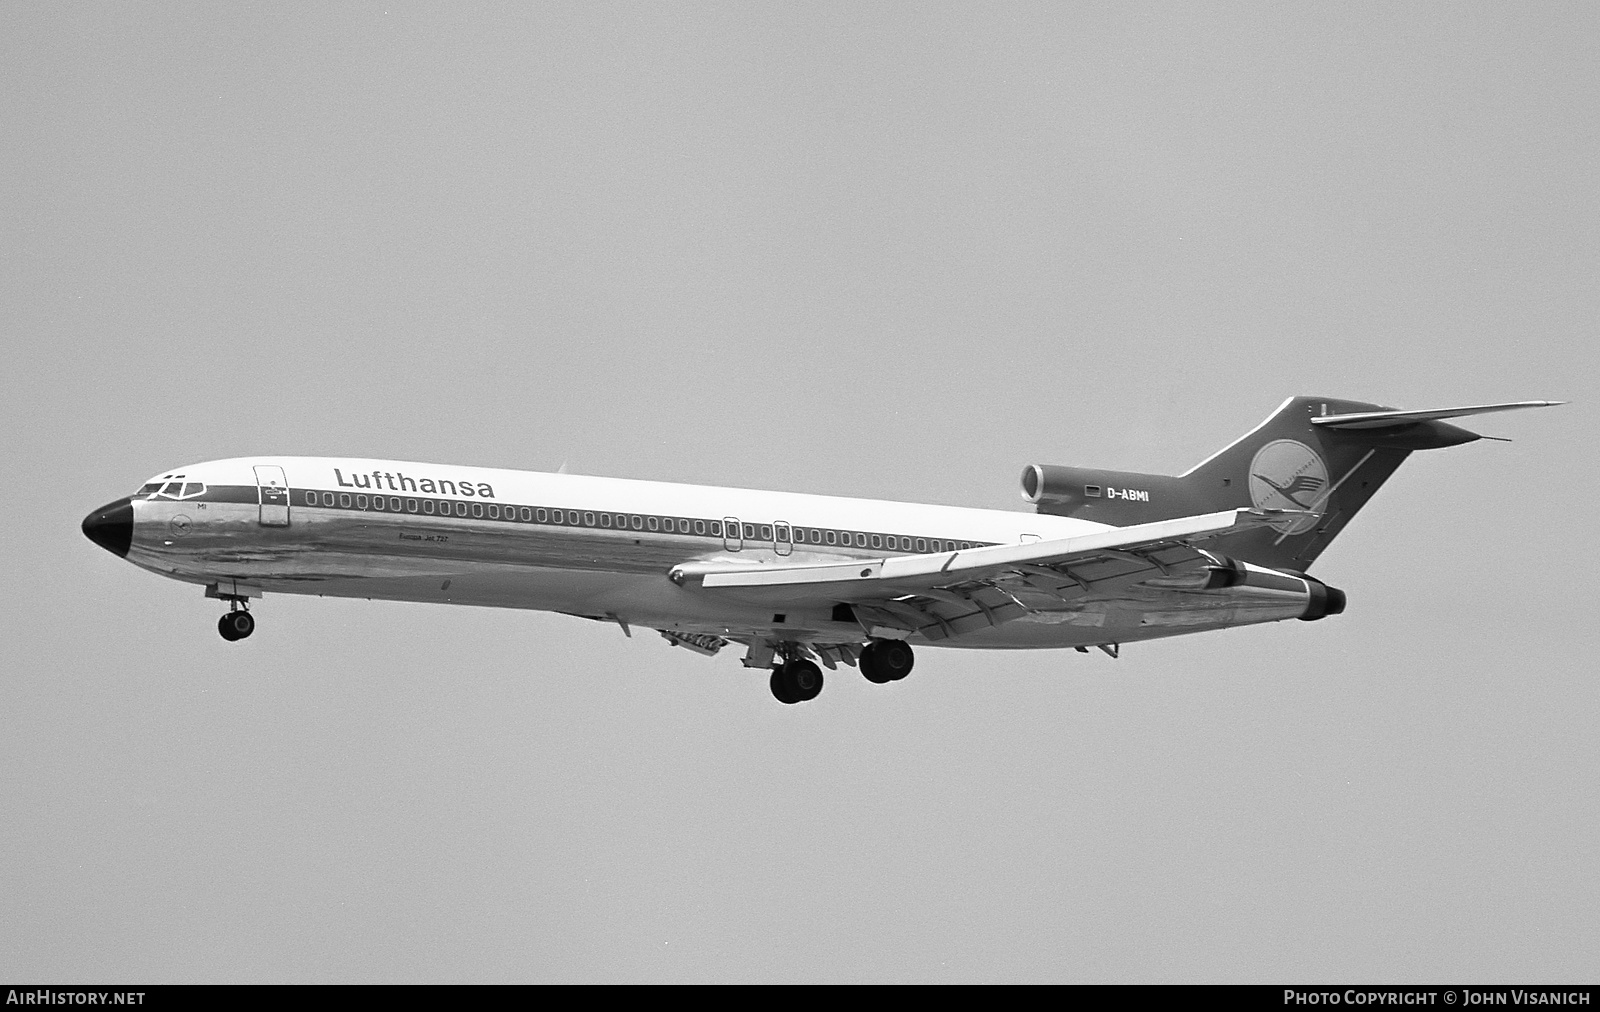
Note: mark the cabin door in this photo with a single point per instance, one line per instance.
(272, 491)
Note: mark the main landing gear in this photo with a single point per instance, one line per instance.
(237, 623)
(796, 681)
(886, 661)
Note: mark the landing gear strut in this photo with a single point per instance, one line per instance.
(886, 661)
(237, 623)
(796, 681)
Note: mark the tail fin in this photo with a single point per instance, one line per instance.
(1323, 456)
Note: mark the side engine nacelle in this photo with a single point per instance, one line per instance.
(1112, 497)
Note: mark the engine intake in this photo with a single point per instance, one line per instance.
(1225, 573)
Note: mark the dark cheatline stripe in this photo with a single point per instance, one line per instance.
(412, 505)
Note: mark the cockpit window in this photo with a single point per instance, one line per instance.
(176, 489)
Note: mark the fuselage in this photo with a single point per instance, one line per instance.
(1111, 557)
(589, 546)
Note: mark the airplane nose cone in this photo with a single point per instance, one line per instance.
(111, 527)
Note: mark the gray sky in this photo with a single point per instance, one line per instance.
(893, 251)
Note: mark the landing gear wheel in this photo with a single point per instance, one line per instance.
(796, 682)
(886, 661)
(805, 678)
(236, 625)
(871, 667)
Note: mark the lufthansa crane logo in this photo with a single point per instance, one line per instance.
(1289, 475)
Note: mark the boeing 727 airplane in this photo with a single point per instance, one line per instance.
(1107, 558)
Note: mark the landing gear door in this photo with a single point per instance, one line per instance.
(272, 490)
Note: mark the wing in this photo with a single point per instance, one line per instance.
(949, 593)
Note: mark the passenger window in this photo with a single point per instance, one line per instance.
(716, 528)
(766, 532)
(652, 523)
(699, 526)
(572, 517)
(311, 498)
(636, 521)
(877, 542)
(427, 506)
(588, 520)
(605, 520)
(461, 509)
(327, 498)
(922, 544)
(477, 509)
(344, 500)
(750, 532)
(541, 516)
(832, 537)
(527, 515)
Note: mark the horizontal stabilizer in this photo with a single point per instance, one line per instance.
(1391, 419)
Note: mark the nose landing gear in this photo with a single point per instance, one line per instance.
(236, 624)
